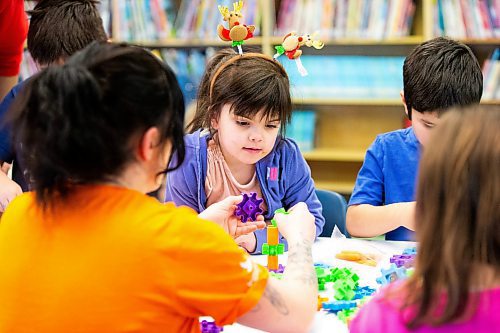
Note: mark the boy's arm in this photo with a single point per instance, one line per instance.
(370, 221)
(367, 216)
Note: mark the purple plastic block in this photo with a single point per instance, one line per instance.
(405, 260)
(249, 207)
(280, 269)
(210, 327)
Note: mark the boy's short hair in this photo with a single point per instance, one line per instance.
(441, 73)
(60, 28)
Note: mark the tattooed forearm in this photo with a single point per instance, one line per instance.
(275, 298)
(300, 263)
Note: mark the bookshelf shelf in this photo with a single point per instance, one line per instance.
(192, 43)
(491, 102)
(344, 127)
(410, 40)
(331, 154)
(344, 187)
(340, 102)
(481, 41)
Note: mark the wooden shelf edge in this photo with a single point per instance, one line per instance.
(335, 155)
(339, 101)
(491, 102)
(409, 40)
(189, 43)
(340, 187)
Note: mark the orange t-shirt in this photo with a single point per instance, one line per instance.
(110, 259)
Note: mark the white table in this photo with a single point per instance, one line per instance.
(324, 251)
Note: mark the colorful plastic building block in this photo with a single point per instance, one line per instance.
(280, 269)
(272, 248)
(391, 274)
(410, 251)
(210, 327)
(346, 314)
(362, 292)
(321, 300)
(249, 207)
(405, 260)
(358, 257)
(281, 211)
(336, 306)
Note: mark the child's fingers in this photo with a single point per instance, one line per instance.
(233, 200)
(257, 224)
(245, 230)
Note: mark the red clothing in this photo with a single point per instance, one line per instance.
(13, 31)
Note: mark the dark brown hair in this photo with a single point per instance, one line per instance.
(59, 28)
(441, 73)
(457, 214)
(78, 122)
(250, 83)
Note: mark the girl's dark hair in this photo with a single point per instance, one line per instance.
(457, 214)
(59, 28)
(77, 123)
(251, 83)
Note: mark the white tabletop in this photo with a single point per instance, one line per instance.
(324, 251)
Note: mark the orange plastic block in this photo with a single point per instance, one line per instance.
(349, 255)
(272, 235)
(320, 301)
(272, 262)
(358, 257)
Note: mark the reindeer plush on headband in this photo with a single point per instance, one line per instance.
(291, 45)
(237, 31)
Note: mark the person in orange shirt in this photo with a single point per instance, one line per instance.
(88, 251)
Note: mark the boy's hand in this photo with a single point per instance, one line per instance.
(298, 224)
(9, 189)
(222, 213)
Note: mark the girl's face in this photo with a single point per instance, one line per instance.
(245, 141)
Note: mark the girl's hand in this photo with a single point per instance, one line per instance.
(222, 213)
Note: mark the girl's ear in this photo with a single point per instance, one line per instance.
(148, 144)
(214, 123)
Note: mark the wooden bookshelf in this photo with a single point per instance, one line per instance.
(332, 154)
(345, 127)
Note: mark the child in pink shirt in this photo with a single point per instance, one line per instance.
(456, 283)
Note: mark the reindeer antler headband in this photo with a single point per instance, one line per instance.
(236, 58)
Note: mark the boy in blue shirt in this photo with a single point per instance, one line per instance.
(58, 28)
(438, 74)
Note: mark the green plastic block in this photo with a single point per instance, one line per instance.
(279, 210)
(273, 250)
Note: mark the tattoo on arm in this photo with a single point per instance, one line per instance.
(275, 298)
(300, 263)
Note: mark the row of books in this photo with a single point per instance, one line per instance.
(467, 18)
(302, 129)
(157, 20)
(347, 77)
(370, 19)
(199, 18)
(188, 66)
(491, 77)
(143, 20)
